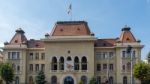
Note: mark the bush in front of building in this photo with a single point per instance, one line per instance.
(141, 71)
(7, 72)
(80, 82)
(92, 81)
(40, 78)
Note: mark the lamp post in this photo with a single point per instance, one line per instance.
(129, 48)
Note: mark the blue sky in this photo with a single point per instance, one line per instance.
(105, 17)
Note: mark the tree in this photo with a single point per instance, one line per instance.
(40, 78)
(148, 57)
(141, 71)
(92, 81)
(7, 72)
(80, 82)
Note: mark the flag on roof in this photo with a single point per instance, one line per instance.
(70, 9)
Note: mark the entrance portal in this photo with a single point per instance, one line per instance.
(68, 80)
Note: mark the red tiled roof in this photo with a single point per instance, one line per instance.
(35, 44)
(71, 28)
(105, 42)
(19, 37)
(127, 36)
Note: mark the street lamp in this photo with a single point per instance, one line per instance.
(129, 48)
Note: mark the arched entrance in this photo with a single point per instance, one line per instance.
(68, 80)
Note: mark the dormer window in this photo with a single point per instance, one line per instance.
(61, 30)
(68, 51)
(78, 29)
(127, 39)
(16, 41)
(37, 45)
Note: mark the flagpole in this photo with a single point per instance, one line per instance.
(71, 15)
(70, 11)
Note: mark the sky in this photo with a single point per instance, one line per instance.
(105, 18)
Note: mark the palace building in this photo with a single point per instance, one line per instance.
(71, 53)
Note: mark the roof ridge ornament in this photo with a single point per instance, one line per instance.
(19, 30)
(126, 28)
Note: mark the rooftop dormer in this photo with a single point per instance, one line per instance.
(126, 35)
(19, 37)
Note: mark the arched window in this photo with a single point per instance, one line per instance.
(98, 80)
(17, 80)
(54, 63)
(69, 59)
(30, 80)
(84, 79)
(76, 63)
(125, 80)
(111, 80)
(84, 63)
(128, 66)
(53, 80)
(61, 63)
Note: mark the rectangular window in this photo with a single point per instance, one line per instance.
(123, 67)
(37, 67)
(37, 56)
(111, 55)
(9, 55)
(134, 54)
(18, 55)
(42, 67)
(104, 55)
(43, 56)
(98, 55)
(104, 66)
(31, 56)
(31, 67)
(123, 54)
(14, 55)
(111, 67)
(98, 67)
(18, 68)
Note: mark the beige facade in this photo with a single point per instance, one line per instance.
(71, 53)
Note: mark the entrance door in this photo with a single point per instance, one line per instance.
(68, 80)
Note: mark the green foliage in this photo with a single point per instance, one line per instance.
(148, 57)
(141, 71)
(6, 72)
(92, 81)
(80, 82)
(40, 78)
